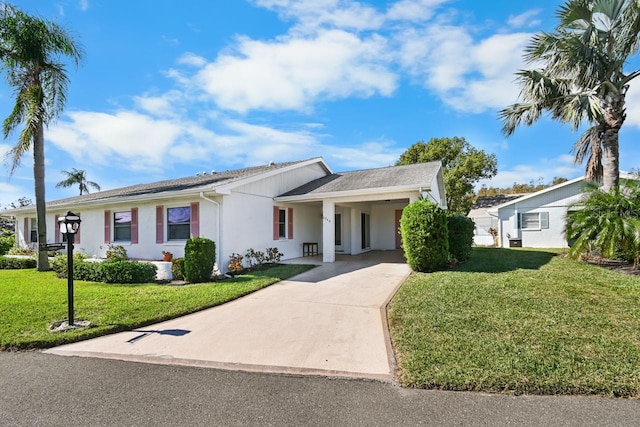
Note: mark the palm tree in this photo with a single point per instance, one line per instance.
(606, 221)
(77, 177)
(581, 79)
(31, 50)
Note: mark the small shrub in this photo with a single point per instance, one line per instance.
(59, 264)
(126, 272)
(16, 250)
(199, 259)
(116, 253)
(177, 268)
(235, 263)
(7, 241)
(255, 258)
(460, 236)
(273, 256)
(16, 263)
(425, 236)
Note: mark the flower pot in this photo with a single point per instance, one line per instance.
(167, 257)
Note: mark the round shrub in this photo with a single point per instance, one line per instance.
(177, 268)
(199, 258)
(460, 236)
(425, 236)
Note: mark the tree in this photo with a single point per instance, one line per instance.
(582, 79)
(606, 221)
(31, 50)
(463, 166)
(517, 188)
(79, 178)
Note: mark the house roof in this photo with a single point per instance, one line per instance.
(416, 175)
(484, 202)
(199, 182)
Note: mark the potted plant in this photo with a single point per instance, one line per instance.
(167, 256)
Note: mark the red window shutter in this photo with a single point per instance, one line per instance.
(276, 223)
(290, 223)
(27, 231)
(57, 229)
(134, 225)
(195, 219)
(160, 224)
(77, 236)
(107, 227)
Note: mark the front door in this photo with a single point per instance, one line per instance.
(338, 231)
(398, 234)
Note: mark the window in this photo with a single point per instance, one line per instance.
(178, 223)
(365, 229)
(122, 226)
(282, 224)
(33, 232)
(534, 220)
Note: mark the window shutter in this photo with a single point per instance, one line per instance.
(544, 220)
(134, 225)
(27, 231)
(195, 219)
(57, 229)
(290, 223)
(77, 236)
(519, 221)
(276, 223)
(159, 224)
(107, 226)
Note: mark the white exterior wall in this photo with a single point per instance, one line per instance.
(383, 225)
(555, 203)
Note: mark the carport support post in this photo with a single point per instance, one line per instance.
(328, 231)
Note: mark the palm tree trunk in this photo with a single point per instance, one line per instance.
(613, 115)
(41, 213)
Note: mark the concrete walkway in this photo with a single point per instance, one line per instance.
(327, 321)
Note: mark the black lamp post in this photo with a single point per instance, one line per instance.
(69, 225)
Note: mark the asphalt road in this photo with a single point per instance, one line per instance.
(47, 390)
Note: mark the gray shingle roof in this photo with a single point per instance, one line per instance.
(417, 175)
(485, 202)
(186, 183)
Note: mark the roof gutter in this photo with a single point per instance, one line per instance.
(218, 241)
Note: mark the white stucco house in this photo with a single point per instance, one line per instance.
(295, 206)
(483, 220)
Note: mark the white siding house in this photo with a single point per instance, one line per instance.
(283, 205)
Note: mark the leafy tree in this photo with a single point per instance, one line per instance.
(31, 50)
(79, 178)
(607, 221)
(517, 188)
(582, 79)
(463, 166)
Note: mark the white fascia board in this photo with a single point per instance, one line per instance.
(386, 191)
(226, 188)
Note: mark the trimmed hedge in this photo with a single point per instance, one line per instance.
(460, 236)
(199, 259)
(425, 236)
(107, 272)
(16, 263)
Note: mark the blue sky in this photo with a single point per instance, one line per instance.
(168, 88)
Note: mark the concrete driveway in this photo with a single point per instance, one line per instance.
(327, 321)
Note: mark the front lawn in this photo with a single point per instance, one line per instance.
(519, 321)
(30, 301)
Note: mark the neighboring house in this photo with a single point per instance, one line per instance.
(483, 221)
(283, 205)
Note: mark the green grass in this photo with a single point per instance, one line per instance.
(519, 321)
(30, 301)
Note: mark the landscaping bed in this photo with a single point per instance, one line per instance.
(31, 300)
(519, 321)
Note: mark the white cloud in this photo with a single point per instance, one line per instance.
(414, 10)
(190, 58)
(545, 169)
(163, 105)
(293, 73)
(84, 5)
(10, 193)
(364, 156)
(633, 104)
(526, 19)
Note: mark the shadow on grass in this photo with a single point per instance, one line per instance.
(500, 260)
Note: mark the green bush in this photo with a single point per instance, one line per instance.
(425, 236)
(116, 253)
(199, 258)
(460, 236)
(177, 268)
(16, 263)
(107, 272)
(7, 241)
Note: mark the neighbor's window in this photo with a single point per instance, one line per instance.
(33, 231)
(534, 220)
(178, 223)
(122, 226)
(282, 223)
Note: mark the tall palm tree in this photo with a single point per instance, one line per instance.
(606, 221)
(31, 50)
(581, 79)
(79, 178)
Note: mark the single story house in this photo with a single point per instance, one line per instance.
(538, 220)
(299, 207)
(483, 221)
